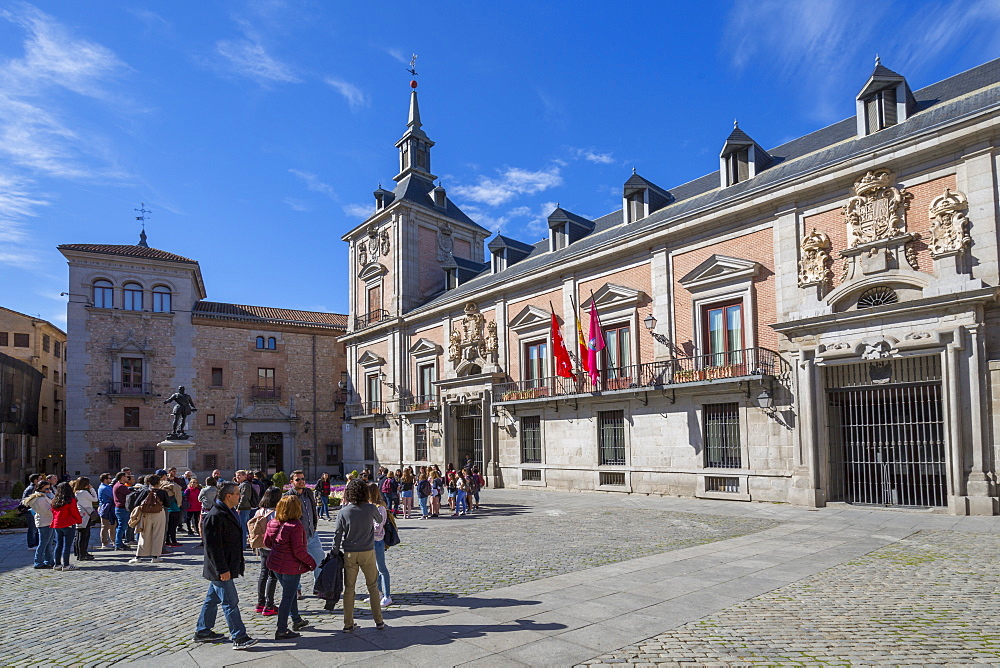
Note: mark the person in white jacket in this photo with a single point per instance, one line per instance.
(40, 503)
(86, 500)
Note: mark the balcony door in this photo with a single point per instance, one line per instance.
(724, 333)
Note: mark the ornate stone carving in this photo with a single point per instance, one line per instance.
(916, 336)
(814, 264)
(472, 324)
(446, 245)
(949, 234)
(383, 240)
(455, 347)
(910, 253)
(877, 210)
(492, 340)
(876, 351)
(362, 253)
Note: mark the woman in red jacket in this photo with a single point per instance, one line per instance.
(289, 559)
(65, 517)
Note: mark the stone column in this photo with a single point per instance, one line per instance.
(980, 487)
(953, 411)
(806, 475)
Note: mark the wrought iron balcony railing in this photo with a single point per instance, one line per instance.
(370, 318)
(424, 402)
(732, 365)
(265, 392)
(128, 388)
(366, 408)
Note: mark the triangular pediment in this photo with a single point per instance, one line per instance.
(372, 270)
(370, 359)
(610, 294)
(529, 317)
(425, 348)
(718, 270)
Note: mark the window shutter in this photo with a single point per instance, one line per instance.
(743, 158)
(889, 107)
(871, 114)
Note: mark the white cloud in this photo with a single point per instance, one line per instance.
(593, 156)
(355, 97)
(512, 181)
(539, 224)
(361, 211)
(249, 58)
(314, 183)
(296, 204)
(398, 55)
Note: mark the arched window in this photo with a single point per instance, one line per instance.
(133, 297)
(104, 294)
(272, 344)
(161, 299)
(877, 297)
(260, 342)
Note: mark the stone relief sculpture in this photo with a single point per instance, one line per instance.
(383, 239)
(876, 351)
(446, 244)
(455, 347)
(877, 210)
(814, 263)
(949, 224)
(492, 340)
(472, 324)
(362, 253)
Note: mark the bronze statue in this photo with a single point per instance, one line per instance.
(183, 407)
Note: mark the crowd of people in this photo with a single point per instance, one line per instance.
(144, 515)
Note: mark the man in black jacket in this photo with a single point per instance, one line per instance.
(223, 537)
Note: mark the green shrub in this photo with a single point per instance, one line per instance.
(279, 479)
(17, 490)
(11, 520)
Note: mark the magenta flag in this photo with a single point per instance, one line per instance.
(595, 344)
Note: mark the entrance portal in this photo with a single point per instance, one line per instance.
(266, 452)
(887, 443)
(470, 434)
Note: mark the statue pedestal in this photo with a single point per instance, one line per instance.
(177, 453)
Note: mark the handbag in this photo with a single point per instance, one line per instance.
(391, 532)
(95, 517)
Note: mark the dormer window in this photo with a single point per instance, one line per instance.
(636, 206)
(450, 279)
(741, 158)
(640, 198)
(880, 110)
(499, 260)
(738, 166)
(440, 198)
(886, 100)
(559, 237)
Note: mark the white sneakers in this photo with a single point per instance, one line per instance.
(69, 567)
(156, 560)
(386, 601)
(134, 561)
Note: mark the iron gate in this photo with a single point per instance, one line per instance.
(470, 434)
(887, 445)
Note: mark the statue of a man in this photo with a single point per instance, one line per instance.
(183, 407)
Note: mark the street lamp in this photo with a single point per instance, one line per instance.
(650, 323)
(225, 427)
(765, 400)
(305, 427)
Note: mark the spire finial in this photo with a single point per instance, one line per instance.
(142, 211)
(736, 124)
(878, 61)
(633, 169)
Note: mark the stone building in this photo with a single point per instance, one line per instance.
(264, 380)
(812, 323)
(43, 346)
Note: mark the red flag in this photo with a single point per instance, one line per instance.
(581, 343)
(595, 343)
(564, 367)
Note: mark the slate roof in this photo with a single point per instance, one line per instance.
(268, 315)
(127, 251)
(943, 102)
(417, 189)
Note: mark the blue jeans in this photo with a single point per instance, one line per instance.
(460, 505)
(224, 593)
(43, 553)
(122, 516)
(383, 570)
(423, 505)
(289, 605)
(245, 516)
(64, 545)
(32, 531)
(324, 506)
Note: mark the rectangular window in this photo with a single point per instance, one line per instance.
(161, 300)
(131, 418)
(420, 442)
(724, 337)
(374, 299)
(425, 382)
(55, 418)
(738, 166)
(132, 297)
(4, 340)
(450, 279)
(531, 475)
(211, 461)
(535, 363)
(21, 341)
(45, 371)
(45, 413)
(266, 389)
(216, 376)
(722, 435)
(531, 439)
(210, 419)
(618, 356)
(148, 459)
(373, 392)
(332, 454)
(55, 377)
(56, 348)
(114, 460)
(611, 437)
(131, 375)
(46, 342)
(369, 438)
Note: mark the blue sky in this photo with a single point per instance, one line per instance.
(257, 131)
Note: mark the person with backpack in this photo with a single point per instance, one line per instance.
(267, 581)
(151, 504)
(390, 491)
(289, 559)
(423, 495)
(249, 500)
(474, 482)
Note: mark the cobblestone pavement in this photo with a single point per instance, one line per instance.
(108, 612)
(928, 599)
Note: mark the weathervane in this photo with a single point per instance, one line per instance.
(142, 211)
(412, 69)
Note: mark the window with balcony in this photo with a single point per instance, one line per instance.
(369, 443)
(531, 439)
(132, 293)
(266, 388)
(161, 299)
(535, 364)
(425, 386)
(373, 391)
(130, 419)
(104, 294)
(724, 335)
(618, 356)
(420, 442)
(611, 437)
(131, 375)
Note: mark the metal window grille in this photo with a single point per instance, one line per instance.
(531, 439)
(895, 370)
(887, 445)
(611, 478)
(211, 461)
(470, 439)
(420, 442)
(531, 475)
(369, 436)
(114, 460)
(722, 435)
(727, 484)
(611, 437)
(148, 459)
